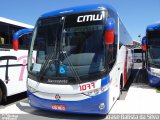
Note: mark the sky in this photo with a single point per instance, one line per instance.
(135, 14)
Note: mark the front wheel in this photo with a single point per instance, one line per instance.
(1, 95)
(120, 88)
(139, 61)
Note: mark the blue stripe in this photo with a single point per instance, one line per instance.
(87, 106)
(153, 27)
(153, 80)
(148, 68)
(21, 32)
(144, 41)
(105, 81)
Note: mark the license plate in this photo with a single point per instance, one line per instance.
(58, 107)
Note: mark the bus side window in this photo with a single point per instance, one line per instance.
(4, 34)
(112, 52)
(2, 40)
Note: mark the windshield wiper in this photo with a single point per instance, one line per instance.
(49, 58)
(77, 78)
(72, 68)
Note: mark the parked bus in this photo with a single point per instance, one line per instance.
(137, 55)
(82, 60)
(13, 72)
(151, 46)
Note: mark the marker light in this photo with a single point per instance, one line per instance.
(15, 44)
(109, 31)
(143, 45)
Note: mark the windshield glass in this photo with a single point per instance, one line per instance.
(137, 50)
(67, 48)
(154, 49)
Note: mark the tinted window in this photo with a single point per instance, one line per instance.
(153, 38)
(6, 34)
(137, 50)
(112, 54)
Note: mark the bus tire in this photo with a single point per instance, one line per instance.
(3, 92)
(1, 95)
(121, 84)
(121, 87)
(138, 61)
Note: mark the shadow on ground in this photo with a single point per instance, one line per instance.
(56, 115)
(14, 98)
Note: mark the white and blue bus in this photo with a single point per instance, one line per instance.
(151, 46)
(83, 60)
(13, 70)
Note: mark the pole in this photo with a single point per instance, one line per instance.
(142, 53)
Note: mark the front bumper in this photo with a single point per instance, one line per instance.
(154, 80)
(93, 105)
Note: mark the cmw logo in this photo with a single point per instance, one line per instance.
(94, 17)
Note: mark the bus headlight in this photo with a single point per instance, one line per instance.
(97, 91)
(155, 74)
(31, 89)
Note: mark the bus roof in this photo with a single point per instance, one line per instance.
(78, 9)
(13, 22)
(155, 26)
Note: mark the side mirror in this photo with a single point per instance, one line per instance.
(18, 34)
(109, 31)
(143, 45)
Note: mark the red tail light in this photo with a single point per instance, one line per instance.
(109, 31)
(143, 45)
(144, 48)
(15, 45)
(109, 36)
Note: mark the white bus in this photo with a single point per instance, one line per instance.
(83, 60)
(13, 72)
(137, 55)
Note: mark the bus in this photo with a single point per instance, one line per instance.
(137, 55)
(13, 72)
(83, 60)
(151, 46)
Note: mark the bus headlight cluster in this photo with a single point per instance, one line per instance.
(155, 74)
(31, 89)
(97, 91)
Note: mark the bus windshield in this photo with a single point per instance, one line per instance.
(67, 47)
(154, 48)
